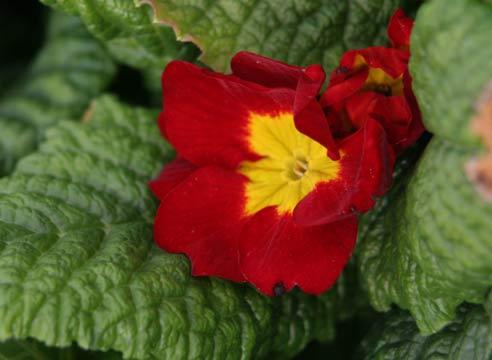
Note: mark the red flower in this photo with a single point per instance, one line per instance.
(399, 30)
(374, 83)
(252, 198)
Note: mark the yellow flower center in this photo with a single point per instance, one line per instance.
(380, 81)
(292, 164)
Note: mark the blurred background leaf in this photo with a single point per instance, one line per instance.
(129, 34)
(68, 71)
(33, 350)
(20, 39)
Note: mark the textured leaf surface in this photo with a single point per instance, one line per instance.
(451, 64)
(297, 31)
(69, 70)
(77, 260)
(398, 338)
(128, 32)
(430, 248)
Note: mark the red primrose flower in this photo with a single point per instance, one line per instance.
(253, 195)
(375, 83)
(270, 177)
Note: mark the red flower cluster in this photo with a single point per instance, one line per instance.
(269, 178)
(375, 83)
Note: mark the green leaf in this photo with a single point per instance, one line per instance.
(411, 6)
(34, 350)
(450, 64)
(21, 24)
(430, 248)
(404, 165)
(128, 32)
(398, 338)
(78, 264)
(69, 70)
(297, 31)
(29, 350)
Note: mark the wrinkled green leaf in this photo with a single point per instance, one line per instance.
(69, 70)
(397, 338)
(430, 248)
(128, 32)
(78, 264)
(451, 64)
(296, 31)
(404, 165)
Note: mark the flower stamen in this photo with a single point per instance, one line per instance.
(298, 168)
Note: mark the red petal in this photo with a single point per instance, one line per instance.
(400, 116)
(359, 106)
(366, 172)
(392, 61)
(394, 114)
(206, 114)
(399, 30)
(346, 83)
(339, 91)
(416, 128)
(202, 218)
(172, 175)
(307, 82)
(308, 114)
(309, 117)
(276, 254)
(308, 86)
(265, 71)
(347, 68)
(376, 166)
(339, 122)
